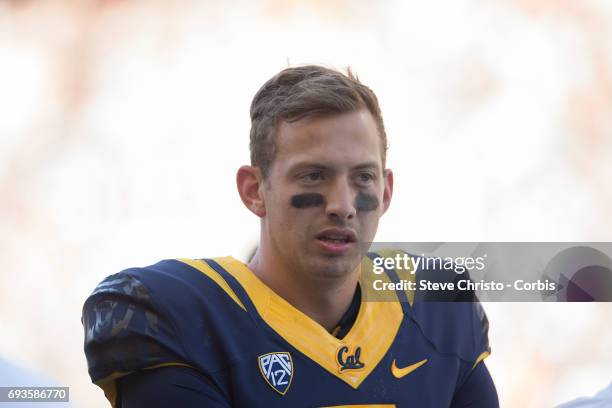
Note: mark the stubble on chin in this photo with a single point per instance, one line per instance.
(326, 268)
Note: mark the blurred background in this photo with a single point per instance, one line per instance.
(122, 124)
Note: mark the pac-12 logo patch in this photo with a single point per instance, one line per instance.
(277, 370)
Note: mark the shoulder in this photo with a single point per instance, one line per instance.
(171, 283)
(158, 315)
(457, 328)
(452, 319)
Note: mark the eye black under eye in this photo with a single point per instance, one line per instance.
(307, 200)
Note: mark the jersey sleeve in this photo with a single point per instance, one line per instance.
(478, 391)
(169, 386)
(126, 330)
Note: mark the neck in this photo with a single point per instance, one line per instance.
(323, 300)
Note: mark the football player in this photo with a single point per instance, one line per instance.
(296, 326)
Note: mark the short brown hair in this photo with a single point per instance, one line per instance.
(299, 92)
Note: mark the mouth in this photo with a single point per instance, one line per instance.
(336, 240)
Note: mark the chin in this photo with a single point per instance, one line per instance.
(334, 267)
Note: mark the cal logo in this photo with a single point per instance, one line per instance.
(277, 370)
(347, 360)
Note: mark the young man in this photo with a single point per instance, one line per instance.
(294, 327)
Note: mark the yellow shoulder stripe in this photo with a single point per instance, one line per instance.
(481, 357)
(203, 267)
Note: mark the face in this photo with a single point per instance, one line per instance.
(325, 192)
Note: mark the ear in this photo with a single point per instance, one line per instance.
(388, 192)
(248, 181)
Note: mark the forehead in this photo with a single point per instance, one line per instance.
(349, 139)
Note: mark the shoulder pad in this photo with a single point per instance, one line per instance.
(167, 313)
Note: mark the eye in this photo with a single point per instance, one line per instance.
(312, 177)
(365, 178)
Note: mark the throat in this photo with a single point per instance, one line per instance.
(349, 317)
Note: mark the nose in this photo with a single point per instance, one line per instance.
(340, 200)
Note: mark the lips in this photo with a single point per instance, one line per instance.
(337, 235)
(336, 240)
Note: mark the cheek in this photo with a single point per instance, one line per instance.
(369, 213)
(291, 219)
(369, 226)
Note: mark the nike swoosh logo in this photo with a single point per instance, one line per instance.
(402, 372)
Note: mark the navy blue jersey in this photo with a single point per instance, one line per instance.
(254, 349)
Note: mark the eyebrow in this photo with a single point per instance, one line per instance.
(367, 165)
(319, 166)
